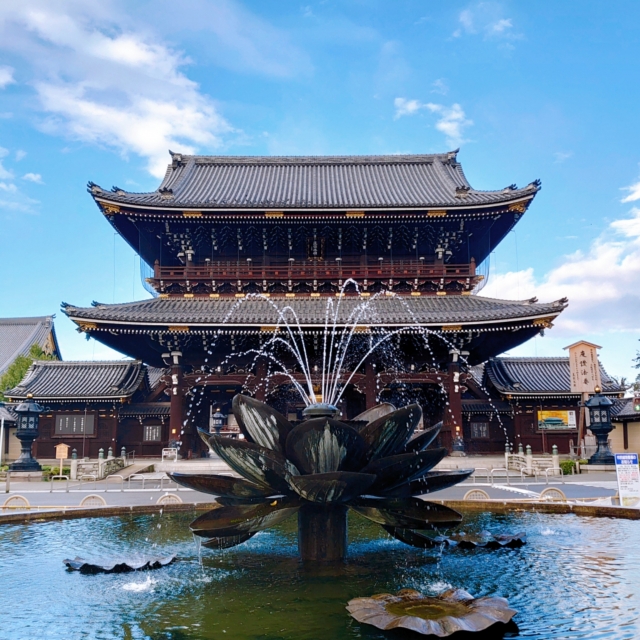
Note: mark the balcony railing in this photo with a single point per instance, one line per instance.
(312, 270)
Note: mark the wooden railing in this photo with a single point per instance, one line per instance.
(312, 270)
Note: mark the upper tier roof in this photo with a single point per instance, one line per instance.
(314, 182)
(17, 335)
(538, 376)
(53, 380)
(387, 310)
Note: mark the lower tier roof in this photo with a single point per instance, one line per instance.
(312, 312)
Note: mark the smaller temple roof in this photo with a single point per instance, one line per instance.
(17, 335)
(314, 182)
(538, 377)
(7, 415)
(145, 409)
(486, 407)
(623, 410)
(50, 380)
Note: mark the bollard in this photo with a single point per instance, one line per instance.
(520, 449)
(554, 456)
(74, 454)
(101, 454)
(110, 453)
(7, 485)
(529, 460)
(123, 453)
(506, 455)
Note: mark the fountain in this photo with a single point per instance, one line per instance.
(322, 467)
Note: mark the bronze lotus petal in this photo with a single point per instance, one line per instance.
(396, 470)
(411, 537)
(323, 445)
(389, 434)
(268, 469)
(225, 486)
(338, 486)
(441, 616)
(406, 513)
(424, 439)
(227, 542)
(431, 481)
(260, 423)
(240, 519)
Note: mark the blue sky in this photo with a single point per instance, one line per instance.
(101, 90)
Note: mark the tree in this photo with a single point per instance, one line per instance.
(17, 369)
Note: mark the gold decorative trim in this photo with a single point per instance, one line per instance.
(361, 328)
(176, 329)
(466, 293)
(274, 214)
(416, 293)
(441, 293)
(109, 209)
(214, 295)
(315, 295)
(87, 326)
(187, 295)
(192, 214)
(521, 207)
(452, 327)
(164, 295)
(437, 213)
(355, 214)
(269, 328)
(289, 295)
(239, 295)
(543, 322)
(365, 294)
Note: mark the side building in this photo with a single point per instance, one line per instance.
(97, 405)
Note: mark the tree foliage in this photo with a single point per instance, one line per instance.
(14, 374)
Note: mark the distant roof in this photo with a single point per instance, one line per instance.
(623, 410)
(17, 335)
(145, 409)
(50, 380)
(538, 376)
(314, 182)
(387, 311)
(153, 375)
(7, 415)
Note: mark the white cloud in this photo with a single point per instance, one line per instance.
(561, 156)
(440, 86)
(406, 107)
(8, 187)
(33, 177)
(6, 76)
(601, 283)
(634, 192)
(452, 121)
(110, 83)
(485, 18)
(5, 174)
(20, 155)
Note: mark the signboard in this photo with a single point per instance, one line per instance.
(628, 479)
(584, 367)
(551, 420)
(62, 451)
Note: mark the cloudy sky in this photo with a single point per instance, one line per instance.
(100, 90)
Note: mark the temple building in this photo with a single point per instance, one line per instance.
(231, 242)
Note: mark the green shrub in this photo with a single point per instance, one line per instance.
(568, 467)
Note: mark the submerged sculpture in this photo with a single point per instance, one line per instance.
(448, 613)
(125, 566)
(319, 469)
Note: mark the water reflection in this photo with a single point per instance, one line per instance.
(573, 580)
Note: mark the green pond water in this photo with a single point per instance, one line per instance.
(576, 578)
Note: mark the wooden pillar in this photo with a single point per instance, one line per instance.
(452, 421)
(177, 429)
(625, 435)
(261, 377)
(370, 384)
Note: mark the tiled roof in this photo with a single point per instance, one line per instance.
(17, 335)
(142, 409)
(68, 381)
(480, 406)
(387, 310)
(153, 375)
(538, 376)
(7, 415)
(299, 182)
(623, 410)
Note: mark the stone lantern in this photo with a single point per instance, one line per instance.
(27, 431)
(599, 408)
(217, 422)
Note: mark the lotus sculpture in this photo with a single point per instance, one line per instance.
(319, 469)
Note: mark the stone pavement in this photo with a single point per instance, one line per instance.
(115, 492)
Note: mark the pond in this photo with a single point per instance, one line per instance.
(575, 578)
